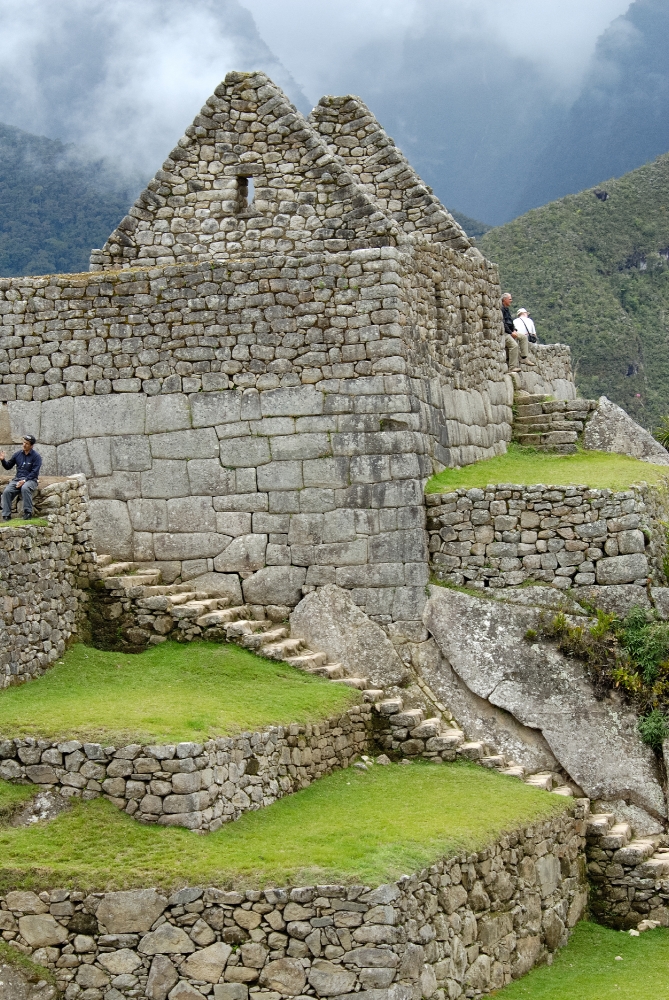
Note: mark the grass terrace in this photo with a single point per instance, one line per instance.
(353, 826)
(171, 692)
(526, 466)
(600, 964)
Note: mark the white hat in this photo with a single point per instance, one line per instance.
(521, 310)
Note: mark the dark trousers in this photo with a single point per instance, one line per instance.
(11, 491)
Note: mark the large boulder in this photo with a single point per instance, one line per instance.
(130, 912)
(329, 621)
(611, 429)
(596, 742)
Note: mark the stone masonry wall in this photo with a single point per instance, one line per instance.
(39, 569)
(568, 536)
(464, 926)
(199, 786)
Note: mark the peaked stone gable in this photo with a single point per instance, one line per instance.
(250, 175)
(352, 132)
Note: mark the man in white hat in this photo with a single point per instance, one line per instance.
(524, 326)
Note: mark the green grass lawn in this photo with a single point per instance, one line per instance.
(21, 522)
(12, 796)
(356, 826)
(587, 968)
(169, 693)
(526, 466)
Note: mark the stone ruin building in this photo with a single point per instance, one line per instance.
(286, 335)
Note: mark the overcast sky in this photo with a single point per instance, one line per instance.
(455, 81)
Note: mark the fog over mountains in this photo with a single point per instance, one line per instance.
(501, 105)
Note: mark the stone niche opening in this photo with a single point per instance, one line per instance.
(245, 193)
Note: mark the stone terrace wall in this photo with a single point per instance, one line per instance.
(466, 925)
(199, 786)
(39, 567)
(502, 535)
(552, 374)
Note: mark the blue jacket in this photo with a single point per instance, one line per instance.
(27, 466)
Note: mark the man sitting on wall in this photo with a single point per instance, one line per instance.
(514, 342)
(28, 463)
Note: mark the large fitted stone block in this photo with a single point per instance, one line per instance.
(188, 545)
(207, 477)
(167, 413)
(72, 458)
(326, 473)
(191, 514)
(622, 569)
(112, 530)
(95, 416)
(130, 453)
(118, 486)
(24, 418)
(243, 452)
(275, 585)
(148, 515)
(57, 420)
(211, 408)
(166, 479)
(201, 443)
(296, 446)
(293, 402)
(244, 555)
(280, 476)
(99, 455)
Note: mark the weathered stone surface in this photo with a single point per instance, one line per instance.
(244, 555)
(207, 965)
(121, 962)
(26, 902)
(660, 598)
(596, 742)
(611, 429)
(619, 599)
(42, 930)
(90, 977)
(330, 980)
(166, 940)
(329, 620)
(223, 584)
(622, 569)
(130, 912)
(275, 585)
(162, 977)
(285, 975)
(112, 530)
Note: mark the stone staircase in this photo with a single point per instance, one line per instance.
(630, 875)
(550, 424)
(265, 631)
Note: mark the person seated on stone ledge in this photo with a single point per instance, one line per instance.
(28, 462)
(514, 342)
(524, 325)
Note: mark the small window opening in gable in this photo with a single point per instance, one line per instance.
(245, 192)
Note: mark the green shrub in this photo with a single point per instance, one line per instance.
(654, 729)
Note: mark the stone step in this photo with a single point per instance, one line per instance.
(514, 772)
(167, 589)
(495, 760)
(522, 398)
(407, 719)
(372, 695)
(532, 425)
(542, 780)
(389, 706)
(361, 683)
(566, 790)
(102, 560)
(635, 853)
(474, 750)
(283, 649)
(247, 626)
(656, 867)
(551, 438)
(335, 671)
(257, 640)
(182, 598)
(427, 729)
(117, 569)
(599, 824)
(194, 609)
(223, 617)
(618, 836)
(307, 661)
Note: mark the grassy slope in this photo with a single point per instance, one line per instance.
(169, 693)
(569, 263)
(13, 796)
(525, 466)
(587, 968)
(357, 826)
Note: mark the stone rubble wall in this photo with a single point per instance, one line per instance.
(41, 603)
(195, 785)
(466, 925)
(628, 885)
(569, 536)
(552, 375)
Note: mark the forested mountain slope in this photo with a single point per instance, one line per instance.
(54, 205)
(593, 269)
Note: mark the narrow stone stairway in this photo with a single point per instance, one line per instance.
(185, 614)
(550, 424)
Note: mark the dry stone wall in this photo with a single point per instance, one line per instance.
(40, 568)
(466, 925)
(569, 536)
(195, 785)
